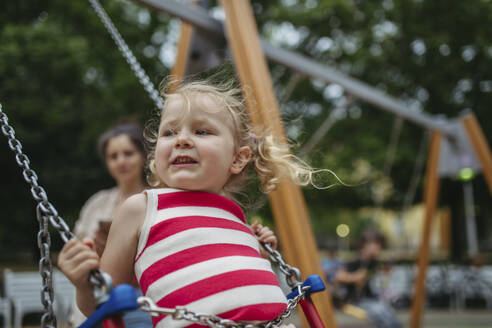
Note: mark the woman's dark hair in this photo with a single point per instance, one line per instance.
(372, 236)
(132, 130)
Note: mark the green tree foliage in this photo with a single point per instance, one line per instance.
(63, 82)
(436, 56)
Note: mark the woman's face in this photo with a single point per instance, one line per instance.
(123, 160)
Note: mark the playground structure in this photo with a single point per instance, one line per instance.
(288, 205)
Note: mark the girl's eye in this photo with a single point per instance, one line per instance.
(168, 133)
(129, 153)
(202, 132)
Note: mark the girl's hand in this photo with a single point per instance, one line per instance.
(264, 235)
(77, 259)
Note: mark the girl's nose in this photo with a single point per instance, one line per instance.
(183, 140)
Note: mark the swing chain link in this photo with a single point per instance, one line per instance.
(46, 214)
(46, 269)
(130, 58)
(181, 313)
(292, 274)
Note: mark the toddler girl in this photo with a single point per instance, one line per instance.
(186, 240)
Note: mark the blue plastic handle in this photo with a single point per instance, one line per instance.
(314, 281)
(122, 298)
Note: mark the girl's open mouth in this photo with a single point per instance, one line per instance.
(182, 160)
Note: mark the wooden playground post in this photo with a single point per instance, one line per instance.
(288, 205)
(182, 54)
(431, 193)
(480, 145)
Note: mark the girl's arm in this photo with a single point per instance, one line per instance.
(78, 258)
(119, 255)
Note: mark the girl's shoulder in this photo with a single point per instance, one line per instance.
(137, 202)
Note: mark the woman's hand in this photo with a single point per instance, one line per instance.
(101, 236)
(77, 259)
(264, 235)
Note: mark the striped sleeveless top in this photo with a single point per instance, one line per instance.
(195, 250)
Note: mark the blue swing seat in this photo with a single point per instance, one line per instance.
(122, 298)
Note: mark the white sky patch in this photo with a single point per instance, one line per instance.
(149, 51)
(158, 37)
(167, 53)
(143, 17)
(376, 50)
(293, 130)
(318, 84)
(218, 13)
(418, 47)
(464, 85)
(332, 91)
(486, 86)
(422, 95)
(351, 44)
(324, 43)
(384, 30)
(289, 3)
(388, 4)
(310, 4)
(355, 112)
(444, 49)
(286, 34)
(468, 53)
(314, 109)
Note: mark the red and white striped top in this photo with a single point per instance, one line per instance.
(196, 250)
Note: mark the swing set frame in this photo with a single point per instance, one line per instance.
(288, 206)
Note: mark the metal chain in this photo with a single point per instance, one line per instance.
(292, 276)
(46, 214)
(127, 53)
(38, 193)
(181, 313)
(45, 269)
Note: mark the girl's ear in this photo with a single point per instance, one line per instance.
(241, 159)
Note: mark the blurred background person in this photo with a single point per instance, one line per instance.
(354, 278)
(122, 149)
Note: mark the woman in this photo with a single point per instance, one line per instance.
(122, 150)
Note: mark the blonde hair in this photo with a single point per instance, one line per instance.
(270, 155)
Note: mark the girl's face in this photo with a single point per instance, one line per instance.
(123, 160)
(195, 149)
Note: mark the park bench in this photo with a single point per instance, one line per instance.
(5, 310)
(23, 291)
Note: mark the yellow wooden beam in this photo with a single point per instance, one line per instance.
(480, 145)
(287, 202)
(178, 71)
(431, 193)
